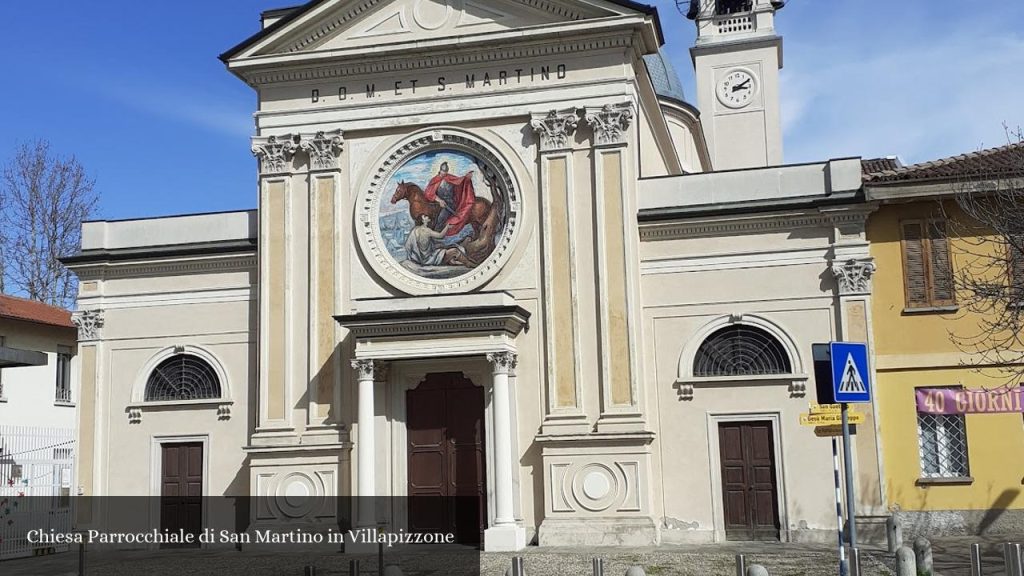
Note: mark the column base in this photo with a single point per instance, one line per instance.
(505, 538)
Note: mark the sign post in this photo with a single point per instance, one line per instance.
(850, 384)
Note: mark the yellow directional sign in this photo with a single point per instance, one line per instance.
(829, 419)
(826, 408)
(832, 430)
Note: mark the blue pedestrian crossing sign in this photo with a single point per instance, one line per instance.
(850, 377)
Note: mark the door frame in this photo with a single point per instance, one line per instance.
(156, 464)
(406, 375)
(715, 459)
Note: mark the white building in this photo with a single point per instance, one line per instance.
(37, 413)
(493, 238)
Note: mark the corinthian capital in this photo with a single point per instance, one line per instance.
(367, 369)
(854, 275)
(555, 128)
(89, 323)
(503, 362)
(274, 152)
(610, 123)
(323, 149)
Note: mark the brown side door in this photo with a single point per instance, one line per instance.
(749, 487)
(181, 488)
(445, 430)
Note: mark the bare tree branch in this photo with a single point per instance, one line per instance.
(988, 223)
(43, 199)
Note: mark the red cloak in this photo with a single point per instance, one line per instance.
(465, 197)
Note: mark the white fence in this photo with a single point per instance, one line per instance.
(36, 475)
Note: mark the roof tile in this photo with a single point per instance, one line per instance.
(16, 308)
(993, 162)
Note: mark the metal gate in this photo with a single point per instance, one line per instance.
(36, 474)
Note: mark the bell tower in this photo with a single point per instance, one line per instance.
(737, 58)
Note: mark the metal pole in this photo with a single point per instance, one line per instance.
(380, 559)
(598, 564)
(1011, 559)
(976, 560)
(741, 565)
(353, 568)
(839, 506)
(310, 571)
(517, 566)
(81, 559)
(854, 561)
(851, 515)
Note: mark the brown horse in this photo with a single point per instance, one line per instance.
(419, 205)
(484, 218)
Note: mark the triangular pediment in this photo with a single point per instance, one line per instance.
(353, 24)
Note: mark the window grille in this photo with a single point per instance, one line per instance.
(3, 342)
(63, 387)
(182, 377)
(943, 442)
(741, 351)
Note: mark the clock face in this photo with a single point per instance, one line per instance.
(737, 88)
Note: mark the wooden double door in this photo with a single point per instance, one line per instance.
(181, 488)
(447, 485)
(749, 484)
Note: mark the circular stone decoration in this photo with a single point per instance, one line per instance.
(596, 485)
(439, 214)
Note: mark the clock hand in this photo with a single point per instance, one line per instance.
(741, 86)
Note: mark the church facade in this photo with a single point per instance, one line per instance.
(496, 255)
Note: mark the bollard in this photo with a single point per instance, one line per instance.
(309, 571)
(756, 570)
(893, 534)
(353, 568)
(635, 571)
(81, 559)
(598, 565)
(1012, 559)
(855, 562)
(741, 565)
(906, 562)
(517, 568)
(975, 560)
(923, 556)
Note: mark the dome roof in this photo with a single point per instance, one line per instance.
(663, 76)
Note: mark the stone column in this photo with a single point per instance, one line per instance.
(275, 155)
(323, 149)
(853, 267)
(620, 403)
(555, 131)
(365, 443)
(505, 535)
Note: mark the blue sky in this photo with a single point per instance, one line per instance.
(135, 89)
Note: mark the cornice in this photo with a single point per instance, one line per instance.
(108, 270)
(509, 320)
(359, 65)
(671, 230)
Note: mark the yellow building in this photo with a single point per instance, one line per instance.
(944, 473)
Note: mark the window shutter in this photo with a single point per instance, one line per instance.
(914, 274)
(1016, 268)
(943, 293)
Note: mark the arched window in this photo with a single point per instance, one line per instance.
(182, 377)
(741, 350)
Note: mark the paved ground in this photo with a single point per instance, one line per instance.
(951, 559)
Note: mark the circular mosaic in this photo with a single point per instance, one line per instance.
(439, 214)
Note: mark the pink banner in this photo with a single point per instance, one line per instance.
(961, 401)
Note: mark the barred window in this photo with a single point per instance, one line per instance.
(741, 351)
(943, 443)
(63, 387)
(182, 377)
